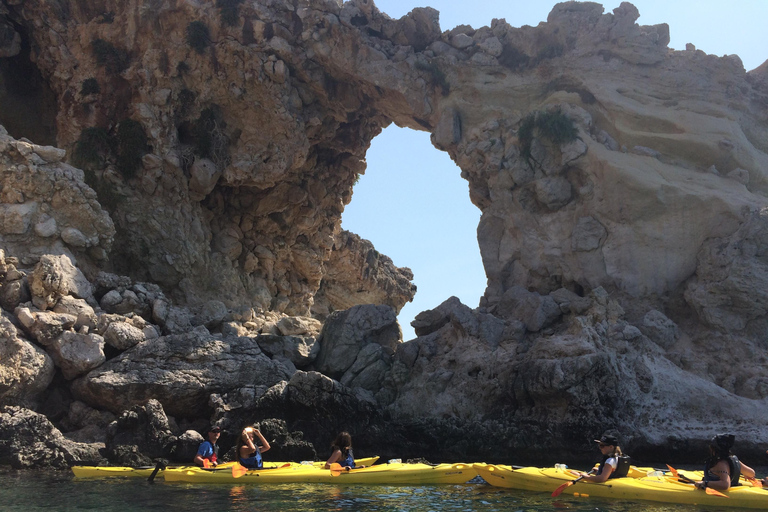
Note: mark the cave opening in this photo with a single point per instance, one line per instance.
(414, 206)
(27, 104)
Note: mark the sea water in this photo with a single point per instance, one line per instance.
(27, 491)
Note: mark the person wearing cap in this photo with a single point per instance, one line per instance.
(614, 463)
(249, 452)
(722, 469)
(209, 450)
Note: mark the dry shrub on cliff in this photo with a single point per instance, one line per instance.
(552, 125)
(113, 59)
(198, 36)
(229, 11)
(90, 86)
(131, 146)
(91, 149)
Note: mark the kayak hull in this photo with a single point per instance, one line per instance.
(390, 474)
(662, 489)
(146, 471)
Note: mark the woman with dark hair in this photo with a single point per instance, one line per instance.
(614, 464)
(723, 469)
(249, 453)
(341, 452)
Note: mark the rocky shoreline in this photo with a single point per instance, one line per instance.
(166, 262)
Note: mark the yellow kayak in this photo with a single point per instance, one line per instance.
(391, 473)
(146, 471)
(651, 488)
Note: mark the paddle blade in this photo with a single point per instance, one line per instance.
(238, 470)
(336, 469)
(754, 482)
(673, 471)
(206, 463)
(557, 492)
(713, 492)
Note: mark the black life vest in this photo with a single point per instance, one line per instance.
(622, 466)
(734, 465)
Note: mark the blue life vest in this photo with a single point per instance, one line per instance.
(348, 461)
(208, 451)
(254, 461)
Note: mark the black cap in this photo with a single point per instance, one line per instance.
(215, 429)
(723, 442)
(608, 439)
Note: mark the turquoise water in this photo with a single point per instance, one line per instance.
(26, 491)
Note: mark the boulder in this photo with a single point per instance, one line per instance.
(56, 276)
(26, 370)
(28, 440)
(346, 332)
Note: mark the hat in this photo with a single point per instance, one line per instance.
(608, 439)
(215, 429)
(723, 442)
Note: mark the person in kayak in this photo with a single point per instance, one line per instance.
(249, 452)
(614, 464)
(209, 450)
(722, 470)
(341, 452)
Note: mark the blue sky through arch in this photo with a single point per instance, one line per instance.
(414, 206)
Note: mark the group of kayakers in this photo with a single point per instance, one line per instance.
(722, 470)
(252, 444)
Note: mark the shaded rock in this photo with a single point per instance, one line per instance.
(534, 310)
(139, 435)
(180, 371)
(346, 332)
(29, 440)
(300, 350)
(663, 331)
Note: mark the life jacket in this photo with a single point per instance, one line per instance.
(622, 466)
(254, 461)
(349, 460)
(734, 465)
(209, 451)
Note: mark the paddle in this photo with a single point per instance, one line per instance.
(687, 480)
(238, 470)
(206, 463)
(557, 492)
(337, 468)
(160, 465)
(754, 481)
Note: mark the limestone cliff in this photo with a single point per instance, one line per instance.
(622, 187)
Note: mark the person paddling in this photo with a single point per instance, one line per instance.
(722, 469)
(614, 463)
(249, 452)
(341, 452)
(209, 450)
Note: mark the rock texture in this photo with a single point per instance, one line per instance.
(189, 227)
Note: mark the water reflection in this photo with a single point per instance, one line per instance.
(55, 492)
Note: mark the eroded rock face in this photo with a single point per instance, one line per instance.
(622, 188)
(29, 440)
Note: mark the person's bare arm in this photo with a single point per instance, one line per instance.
(264, 443)
(335, 456)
